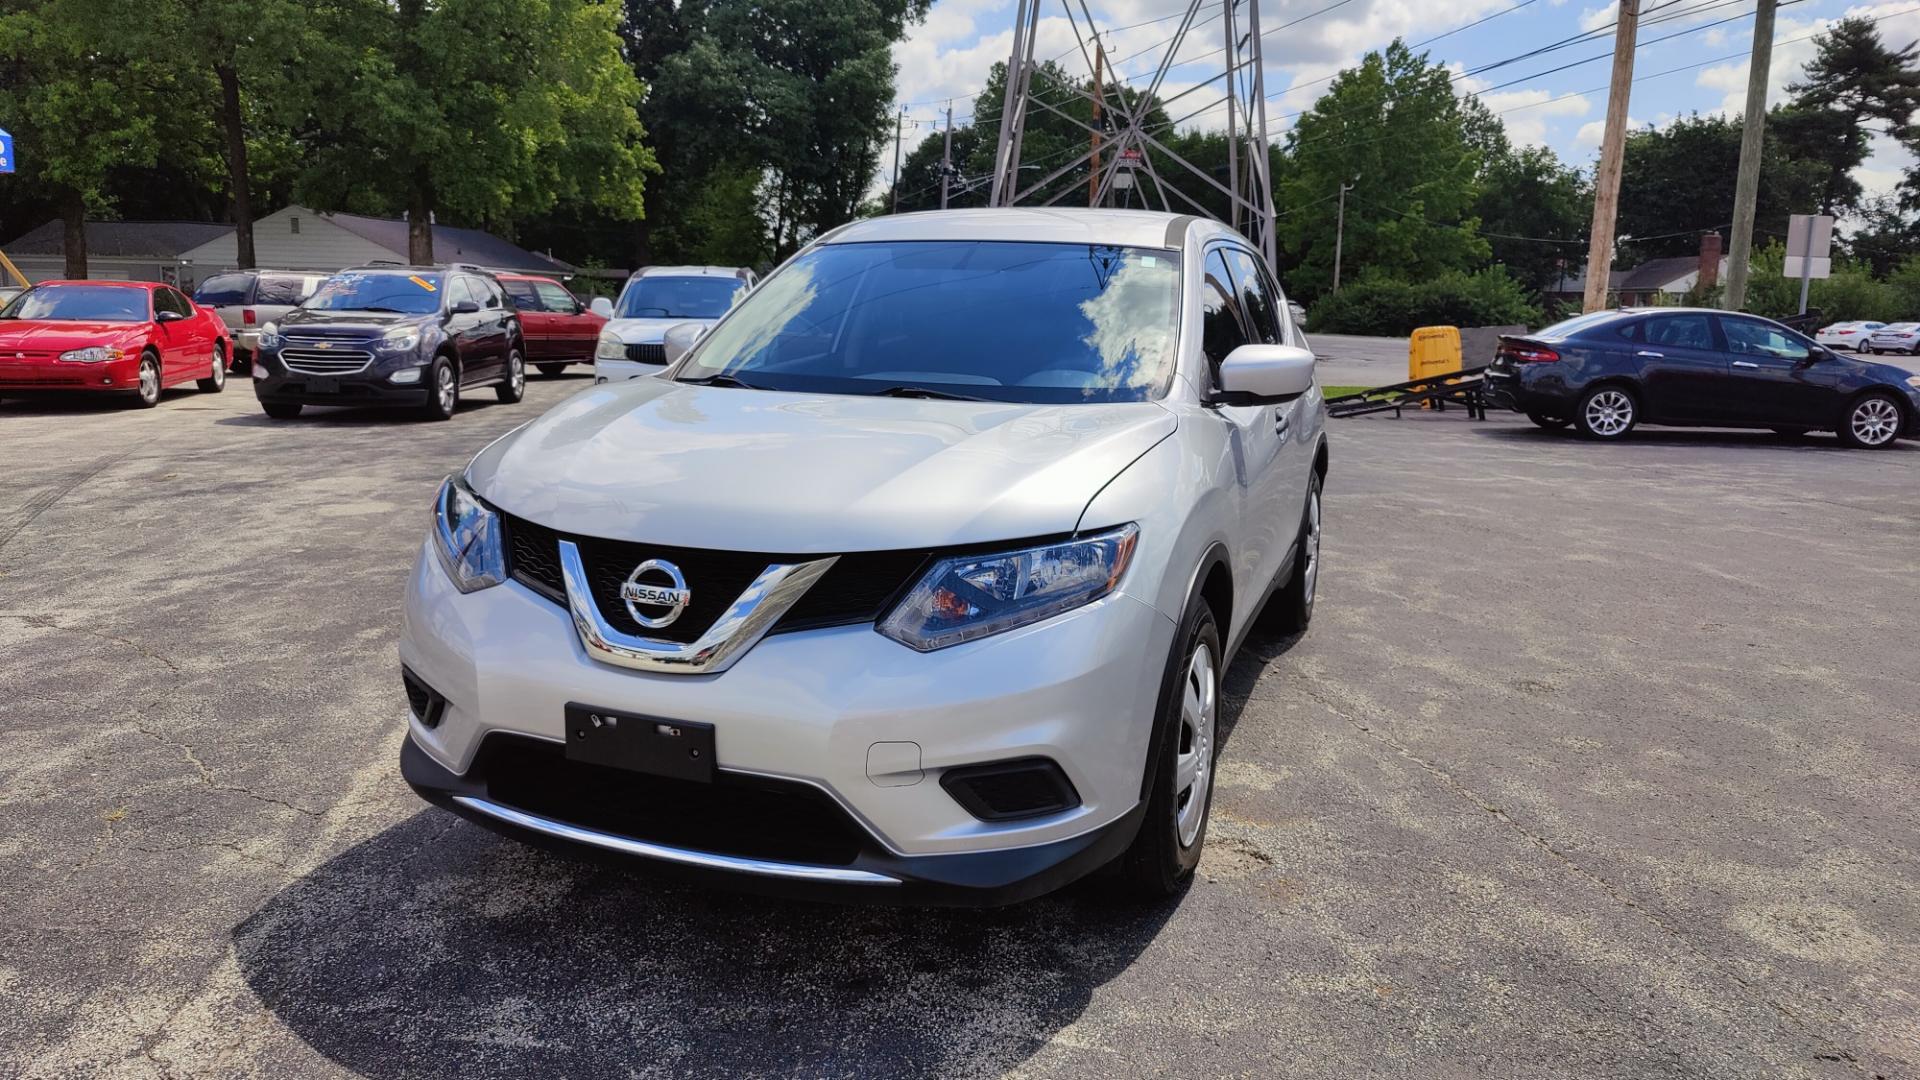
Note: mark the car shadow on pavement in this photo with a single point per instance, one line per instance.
(438, 949)
(86, 402)
(349, 416)
(1704, 437)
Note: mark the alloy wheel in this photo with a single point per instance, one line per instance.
(443, 387)
(1193, 762)
(1609, 412)
(1875, 421)
(149, 381)
(516, 372)
(1312, 543)
(219, 372)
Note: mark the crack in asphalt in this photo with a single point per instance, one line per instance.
(46, 622)
(206, 775)
(1827, 1049)
(40, 503)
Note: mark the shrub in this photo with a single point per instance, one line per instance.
(1378, 304)
(1851, 293)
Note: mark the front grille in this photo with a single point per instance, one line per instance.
(855, 590)
(334, 361)
(654, 353)
(749, 817)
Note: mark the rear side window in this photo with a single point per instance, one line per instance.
(223, 290)
(1220, 328)
(288, 289)
(1680, 331)
(523, 295)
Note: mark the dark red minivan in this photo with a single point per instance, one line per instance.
(558, 327)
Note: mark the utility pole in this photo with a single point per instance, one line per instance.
(1099, 95)
(946, 159)
(1340, 233)
(899, 126)
(1606, 180)
(1746, 189)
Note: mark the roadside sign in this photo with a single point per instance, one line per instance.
(6, 151)
(1815, 268)
(1809, 250)
(1131, 158)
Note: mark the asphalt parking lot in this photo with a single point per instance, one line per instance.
(1599, 761)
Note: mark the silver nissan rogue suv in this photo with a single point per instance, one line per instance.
(914, 579)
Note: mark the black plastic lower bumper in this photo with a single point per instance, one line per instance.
(339, 390)
(871, 875)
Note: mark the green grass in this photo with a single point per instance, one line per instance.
(1338, 391)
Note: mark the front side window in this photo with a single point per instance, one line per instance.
(1220, 329)
(81, 303)
(459, 290)
(1256, 298)
(662, 297)
(360, 290)
(222, 290)
(1748, 337)
(1680, 331)
(1020, 322)
(556, 299)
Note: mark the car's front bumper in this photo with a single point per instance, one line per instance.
(622, 370)
(275, 383)
(868, 722)
(59, 375)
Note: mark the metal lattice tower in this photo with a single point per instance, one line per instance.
(1249, 187)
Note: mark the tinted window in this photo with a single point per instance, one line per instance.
(1220, 328)
(1750, 337)
(661, 297)
(1680, 331)
(523, 295)
(90, 303)
(286, 289)
(460, 290)
(489, 292)
(555, 298)
(378, 290)
(1569, 327)
(1006, 321)
(1256, 297)
(223, 290)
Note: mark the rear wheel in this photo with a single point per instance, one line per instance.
(1551, 423)
(281, 410)
(551, 371)
(515, 387)
(1167, 848)
(1872, 422)
(1607, 413)
(1290, 609)
(443, 390)
(147, 395)
(216, 379)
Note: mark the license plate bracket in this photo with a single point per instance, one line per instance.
(682, 749)
(323, 384)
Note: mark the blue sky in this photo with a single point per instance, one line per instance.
(948, 57)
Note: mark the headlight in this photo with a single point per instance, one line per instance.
(609, 348)
(270, 335)
(972, 596)
(467, 536)
(93, 354)
(1914, 381)
(401, 337)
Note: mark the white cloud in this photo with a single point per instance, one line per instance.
(1590, 132)
(1527, 113)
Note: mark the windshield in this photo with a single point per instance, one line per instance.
(678, 297)
(1035, 323)
(355, 290)
(80, 303)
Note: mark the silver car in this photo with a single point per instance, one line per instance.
(656, 299)
(915, 580)
(1900, 337)
(247, 300)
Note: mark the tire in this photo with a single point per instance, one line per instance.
(443, 390)
(1551, 423)
(281, 410)
(551, 371)
(1164, 853)
(1607, 412)
(216, 379)
(1872, 421)
(148, 394)
(1290, 609)
(515, 388)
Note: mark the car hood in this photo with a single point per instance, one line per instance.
(757, 470)
(40, 334)
(346, 321)
(646, 331)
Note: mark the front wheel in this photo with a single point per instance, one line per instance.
(147, 394)
(1167, 849)
(1607, 413)
(1872, 422)
(443, 390)
(216, 379)
(1551, 423)
(515, 387)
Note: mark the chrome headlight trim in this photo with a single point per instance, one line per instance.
(965, 598)
(400, 337)
(467, 536)
(93, 354)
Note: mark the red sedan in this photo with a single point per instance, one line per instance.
(558, 327)
(137, 336)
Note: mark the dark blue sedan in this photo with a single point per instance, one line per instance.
(1608, 371)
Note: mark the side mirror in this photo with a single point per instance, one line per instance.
(1264, 375)
(465, 307)
(602, 307)
(167, 316)
(680, 340)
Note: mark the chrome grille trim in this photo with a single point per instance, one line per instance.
(311, 361)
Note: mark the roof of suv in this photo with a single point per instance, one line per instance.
(691, 271)
(1123, 228)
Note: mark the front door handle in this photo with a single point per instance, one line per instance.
(1746, 364)
(1650, 352)
(1280, 424)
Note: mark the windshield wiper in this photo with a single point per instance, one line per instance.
(925, 392)
(722, 379)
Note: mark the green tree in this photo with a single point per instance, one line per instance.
(1664, 205)
(1527, 200)
(1857, 79)
(424, 115)
(1393, 128)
